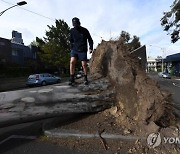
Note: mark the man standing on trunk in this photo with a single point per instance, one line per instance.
(78, 39)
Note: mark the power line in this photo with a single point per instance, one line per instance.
(30, 11)
(41, 15)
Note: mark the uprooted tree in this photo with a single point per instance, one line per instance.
(170, 21)
(137, 96)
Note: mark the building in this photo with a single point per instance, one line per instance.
(151, 65)
(173, 64)
(15, 52)
(156, 64)
(22, 54)
(5, 51)
(17, 37)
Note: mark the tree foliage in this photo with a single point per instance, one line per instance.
(131, 43)
(54, 47)
(34, 43)
(170, 21)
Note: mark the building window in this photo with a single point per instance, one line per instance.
(14, 53)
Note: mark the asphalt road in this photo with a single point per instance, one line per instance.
(24, 146)
(19, 83)
(170, 85)
(24, 138)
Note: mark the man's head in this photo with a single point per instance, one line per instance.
(76, 22)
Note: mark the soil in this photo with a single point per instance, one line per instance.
(106, 122)
(92, 146)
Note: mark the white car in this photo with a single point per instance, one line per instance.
(164, 75)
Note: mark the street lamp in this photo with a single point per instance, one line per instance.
(163, 49)
(18, 4)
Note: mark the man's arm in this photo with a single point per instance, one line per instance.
(90, 40)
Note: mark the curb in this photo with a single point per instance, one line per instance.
(62, 133)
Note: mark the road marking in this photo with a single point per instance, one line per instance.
(33, 91)
(62, 86)
(28, 99)
(18, 137)
(176, 85)
(45, 90)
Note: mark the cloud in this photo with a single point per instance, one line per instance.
(103, 18)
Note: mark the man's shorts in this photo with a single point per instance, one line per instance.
(82, 56)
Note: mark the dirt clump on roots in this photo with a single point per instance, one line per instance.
(137, 96)
(140, 105)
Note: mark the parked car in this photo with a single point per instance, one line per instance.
(42, 79)
(164, 75)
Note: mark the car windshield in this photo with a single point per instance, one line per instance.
(32, 76)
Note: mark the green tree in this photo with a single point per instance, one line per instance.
(125, 36)
(172, 71)
(34, 43)
(54, 47)
(134, 44)
(131, 43)
(170, 21)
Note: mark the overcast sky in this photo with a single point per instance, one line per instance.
(103, 18)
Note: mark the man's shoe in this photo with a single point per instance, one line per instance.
(86, 82)
(71, 81)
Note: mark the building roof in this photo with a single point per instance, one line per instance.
(174, 57)
(151, 60)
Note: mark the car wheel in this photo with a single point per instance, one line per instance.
(58, 81)
(43, 83)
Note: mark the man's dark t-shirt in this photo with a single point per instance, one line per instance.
(78, 39)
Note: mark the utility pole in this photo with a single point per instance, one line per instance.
(162, 60)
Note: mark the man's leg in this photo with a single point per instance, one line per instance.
(85, 69)
(84, 65)
(72, 69)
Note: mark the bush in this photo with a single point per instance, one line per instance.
(172, 71)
